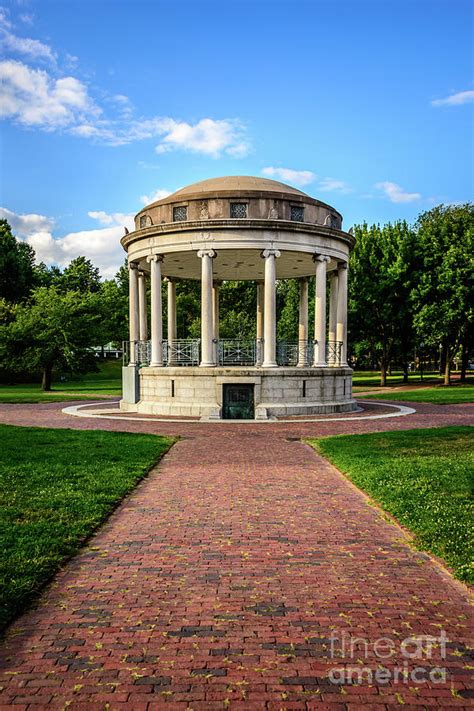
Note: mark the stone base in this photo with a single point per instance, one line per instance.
(278, 392)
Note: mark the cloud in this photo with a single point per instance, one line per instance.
(34, 98)
(297, 177)
(101, 245)
(462, 97)
(116, 218)
(25, 225)
(395, 193)
(29, 47)
(159, 194)
(333, 185)
(208, 137)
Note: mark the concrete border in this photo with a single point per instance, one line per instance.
(78, 411)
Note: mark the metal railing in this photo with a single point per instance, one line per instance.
(236, 352)
(333, 352)
(181, 352)
(290, 353)
(231, 352)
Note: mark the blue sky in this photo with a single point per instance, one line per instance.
(365, 104)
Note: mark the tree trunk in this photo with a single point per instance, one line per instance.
(463, 363)
(47, 377)
(405, 372)
(442, 360)
(447, 367)
(383, 374)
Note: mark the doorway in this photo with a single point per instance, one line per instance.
(238, 402)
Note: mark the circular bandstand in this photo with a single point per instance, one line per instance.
(237, 228)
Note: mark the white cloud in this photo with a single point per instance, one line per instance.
(297, 177)
(395, 193)
(25, 225)
(29, 47)
(333, 185)
(462, 97)
(101, 245)
(208, 136)
(116, 218)
(159, 194)
(34, 98)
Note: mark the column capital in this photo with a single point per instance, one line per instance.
(141, 273)
(207, 253)
(133, 265)
(342, 265)
(320, 258)
(155, 258)
(265, 253)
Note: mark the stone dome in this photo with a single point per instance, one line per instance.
(233, 185)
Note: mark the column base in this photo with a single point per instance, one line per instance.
(269, 365)
(207, 365)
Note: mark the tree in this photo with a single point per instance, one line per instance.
(80, 275)
(55, 330)
(17, 271)
(381, 268)
(443, 297)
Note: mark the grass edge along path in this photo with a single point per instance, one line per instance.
(437, 395)
(56, 488)
(423, 478)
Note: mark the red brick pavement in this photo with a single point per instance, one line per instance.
(219, 582)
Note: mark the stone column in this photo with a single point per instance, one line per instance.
(207, 352)
(156, 324)
(269, 320)
(303, 324)
(341, 328)
(142, 305)
(215, 319)
(172, 321)
(320, 311)
(134, 317)
(172, 328)
(259, 330)
(334, 279)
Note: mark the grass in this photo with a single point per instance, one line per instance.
(438, 395)
(424, 478)
(56, 487)
(90, 386)
(371, 378)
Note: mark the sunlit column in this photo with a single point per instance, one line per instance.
(259, 329)
(320, 311)
(269, 319)
(303, 324)
(334, 281)
(341, 328)
(207, 352)
(172, 329)
(133, 310)
(215, 318)
(156, 325)
(142, 305)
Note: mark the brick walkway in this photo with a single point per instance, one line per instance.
(220, 582)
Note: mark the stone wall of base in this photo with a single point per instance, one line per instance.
(198, 392)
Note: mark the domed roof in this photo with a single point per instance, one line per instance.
(232, 184)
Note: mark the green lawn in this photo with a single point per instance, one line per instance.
(439, 394)
(90, 386)
(422, 477)
(56, 487)
(371, 378)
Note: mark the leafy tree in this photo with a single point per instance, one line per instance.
(381, 268)
(17, 273)
(80, 275)
(55, 330)
(443, 297)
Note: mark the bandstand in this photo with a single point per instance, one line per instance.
(237, 228)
